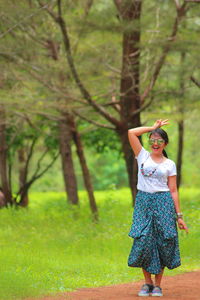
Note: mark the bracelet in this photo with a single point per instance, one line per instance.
(179, 215)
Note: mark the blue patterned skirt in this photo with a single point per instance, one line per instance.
(155, 234)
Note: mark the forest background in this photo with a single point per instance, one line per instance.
(75, 76)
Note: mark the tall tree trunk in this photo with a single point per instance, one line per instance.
(3, 159)
(85, 170)
(181, 106)
(180, 151)
(130, 11)
(131, 163)
(65, 138)
(22, 178)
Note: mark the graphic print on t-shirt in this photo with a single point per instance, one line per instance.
(157, 181)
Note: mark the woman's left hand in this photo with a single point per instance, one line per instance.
(159, 123)
(182, 225)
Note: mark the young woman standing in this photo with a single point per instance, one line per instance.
(156, 209)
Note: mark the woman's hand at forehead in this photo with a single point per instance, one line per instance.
(159, 123)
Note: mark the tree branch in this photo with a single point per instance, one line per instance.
(22, 21)
(59, 5)
(93, 122)
(177, 4)
(143, 107)
(30, 154)
(47, 167)
(88, 6)
(181, 11)
(195, 81)
(60, 21)
(39, 163)
(27, 185)
(50, 12)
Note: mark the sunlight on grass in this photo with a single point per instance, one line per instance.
(52, 247)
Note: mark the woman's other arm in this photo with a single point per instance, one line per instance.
(174, 192)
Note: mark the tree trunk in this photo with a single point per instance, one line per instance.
(181, 107)
(22, 178)
(131, 163)
(180, 151)
(6, 189)
(85, 170)
(130, 80)
(65, 138)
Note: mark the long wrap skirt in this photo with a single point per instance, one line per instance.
(155, 234)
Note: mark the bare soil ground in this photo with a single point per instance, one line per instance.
(180, 287)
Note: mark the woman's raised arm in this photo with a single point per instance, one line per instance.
(135, 132)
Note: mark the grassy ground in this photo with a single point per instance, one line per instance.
(51, 247)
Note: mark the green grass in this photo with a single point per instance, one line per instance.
(51, 247)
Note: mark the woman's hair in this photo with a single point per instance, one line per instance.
(164, 136)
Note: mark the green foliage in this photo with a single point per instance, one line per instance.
(102, 140)
(52, 247)
(108, 170)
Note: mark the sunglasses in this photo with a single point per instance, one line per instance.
(153, 141)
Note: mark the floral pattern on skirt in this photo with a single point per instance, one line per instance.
(155, 234)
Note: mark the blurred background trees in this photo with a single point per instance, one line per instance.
(76, 75)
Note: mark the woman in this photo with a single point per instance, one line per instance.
(156, 209)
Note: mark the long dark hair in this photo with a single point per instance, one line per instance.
(164, 136)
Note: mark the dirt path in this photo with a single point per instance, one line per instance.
(179, 287)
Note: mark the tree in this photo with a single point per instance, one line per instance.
(66, 121)
(132, 100)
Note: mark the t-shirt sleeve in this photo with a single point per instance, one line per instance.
(172, 171)
(142, 156)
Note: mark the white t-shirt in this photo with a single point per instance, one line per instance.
(157, 182)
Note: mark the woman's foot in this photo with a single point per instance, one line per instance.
(146, 290)
(157, 292)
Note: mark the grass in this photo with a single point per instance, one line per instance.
(51, 247)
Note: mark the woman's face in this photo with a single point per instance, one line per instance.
(157, 144)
